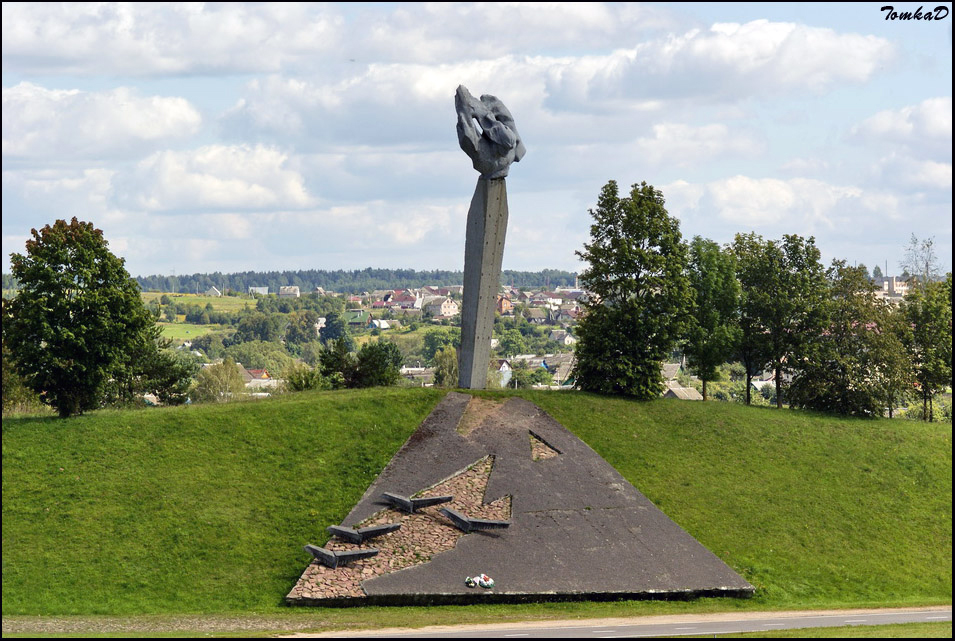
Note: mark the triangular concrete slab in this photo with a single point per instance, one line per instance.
(578, 528)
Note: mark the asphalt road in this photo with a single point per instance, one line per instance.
(723, 623)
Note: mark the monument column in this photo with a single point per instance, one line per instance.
(487, 134)
(483, 253)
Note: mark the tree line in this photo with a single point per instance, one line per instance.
(768, 304)
(345, 281)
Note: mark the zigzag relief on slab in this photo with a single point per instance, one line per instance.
(422, 535)
(540, 449)
(574, 529)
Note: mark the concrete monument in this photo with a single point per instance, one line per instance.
(487, 134)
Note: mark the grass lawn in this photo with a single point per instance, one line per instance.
(185, 331)
(204, 509)
(219, 303)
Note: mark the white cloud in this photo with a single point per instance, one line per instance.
(726, 62)
(49, 194)
(139, 39)
(189, 38)
(214, 177)
(908, 174)
(752, 202)
(571, 97)
(51, 123)
(803, 205)
(682, 145)
(925, 129)
(682, 196)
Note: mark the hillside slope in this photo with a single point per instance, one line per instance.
(205, 508)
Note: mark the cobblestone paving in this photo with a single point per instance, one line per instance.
(422, 535)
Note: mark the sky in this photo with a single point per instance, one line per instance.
(256, 137)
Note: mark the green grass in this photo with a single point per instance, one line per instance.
(185, 331)
(219, 303)
(204, 509)
(187, 509)
(811, 509)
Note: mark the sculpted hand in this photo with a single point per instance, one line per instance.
(487, 133)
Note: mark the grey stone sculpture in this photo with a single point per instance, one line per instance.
(332, 558)
(467, 524)
(361, 535)
(412, 505)
(487, 134)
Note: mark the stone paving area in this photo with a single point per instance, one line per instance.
(422, 535)
(477, 410)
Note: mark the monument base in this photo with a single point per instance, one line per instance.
(577, 529)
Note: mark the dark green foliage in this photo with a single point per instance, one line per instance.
(171, 373)
(783, 300)
(309, 352)
(321, 305)
(17, 397)
(354, 281)
(512, 343)
(261, 355)
(752, 349)
(257, 326)
(218, 383)
(928, 311)
(211, 344)
(446, 367)
(713, 332)
(78, 323)
(300, 329)
(637, 263)
(378, 364)
(336, 329)
(524, 377)
(337, 364)
(438, 339)
(300, 378)
(857, 365)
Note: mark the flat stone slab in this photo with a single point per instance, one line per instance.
(361, 535)
(412, 505)
(333, 558)
(467, 524)
(578, 529)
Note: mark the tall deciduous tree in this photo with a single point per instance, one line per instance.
(928, 310)
(446, 367)
(512, 343)
(78, 321)
(336, 329)
(713, 331)
(378, 364)
(752, 348)
(857, 365)
(920, 261)
(219, 382)
(637, 274)
(783, 303)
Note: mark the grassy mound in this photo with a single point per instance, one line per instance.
(205, 509)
